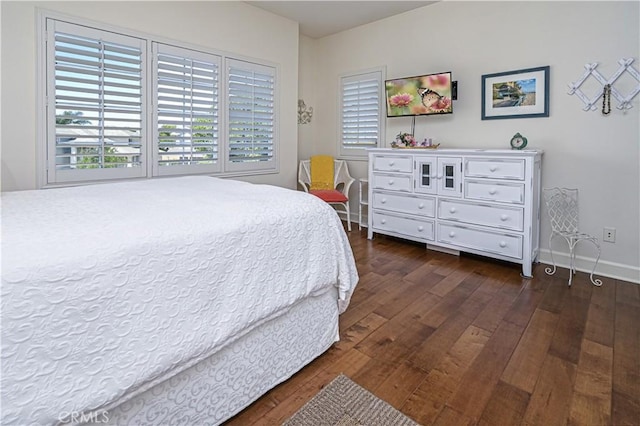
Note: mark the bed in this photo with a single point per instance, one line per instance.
(163, 301)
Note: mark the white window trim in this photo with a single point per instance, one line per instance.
(41, 99)
(361, 153)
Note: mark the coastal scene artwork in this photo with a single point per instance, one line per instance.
(516, 94)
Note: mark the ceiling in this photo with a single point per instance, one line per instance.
(321, 18)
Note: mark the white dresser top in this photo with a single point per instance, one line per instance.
(462, 151)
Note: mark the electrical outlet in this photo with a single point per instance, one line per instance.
(609, 235)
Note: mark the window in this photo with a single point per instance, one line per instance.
(95, 104)
(251, 115)
(186, 115)
(361, 108)
(120, 104)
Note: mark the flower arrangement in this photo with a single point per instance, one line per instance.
(407, 140)
(404, 139)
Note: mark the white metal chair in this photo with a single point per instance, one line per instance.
(562, 207)
(342, 180)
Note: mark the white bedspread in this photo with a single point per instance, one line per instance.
(109, 289)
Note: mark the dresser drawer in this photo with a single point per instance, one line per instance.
(491, 242)
(494, 168)
(422, 229)
(482, 214)
(389, 163)
(392, 182)
(494, 191)
(423, 206)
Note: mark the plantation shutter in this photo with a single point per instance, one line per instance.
(186, 117)
(360, 111)
(95, 104)
(251, 116)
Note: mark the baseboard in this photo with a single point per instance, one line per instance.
(618, 271)
(605, 268)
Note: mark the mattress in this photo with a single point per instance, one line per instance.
(111, 289)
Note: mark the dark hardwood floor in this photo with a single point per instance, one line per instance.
(466, 341)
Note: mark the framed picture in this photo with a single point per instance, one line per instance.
(516, 94)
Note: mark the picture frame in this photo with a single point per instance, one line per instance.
(516, 94)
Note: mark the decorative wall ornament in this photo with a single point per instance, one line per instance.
(304, 113)
(608, 89)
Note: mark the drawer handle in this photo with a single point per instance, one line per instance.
(383, 221)
(421, 206)
(390, 182)
(383, 201)
(502, 244)
(504, 217)
(391, 163)
(452, 234)
(452, 210)
(493, 168)
(420, 228)
(493, 191)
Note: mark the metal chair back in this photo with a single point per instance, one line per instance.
(562, 207)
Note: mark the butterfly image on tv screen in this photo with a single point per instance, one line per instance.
(429, 97)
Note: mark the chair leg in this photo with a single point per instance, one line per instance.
(572, 254)
(572, 257)
(550, 271)
(570, 267)
(346, 205)
(597, 282)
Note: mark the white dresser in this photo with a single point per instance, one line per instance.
(485, 202)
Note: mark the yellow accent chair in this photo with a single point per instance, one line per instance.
(327, 179)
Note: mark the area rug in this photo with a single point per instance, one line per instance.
(344, 403)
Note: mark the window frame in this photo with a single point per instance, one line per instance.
(150, 169)
(78, 175)
(182, 169)
(360, 153)
(242, 166)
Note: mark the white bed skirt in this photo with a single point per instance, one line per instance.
(220, 386)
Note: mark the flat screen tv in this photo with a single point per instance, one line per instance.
(420, 95)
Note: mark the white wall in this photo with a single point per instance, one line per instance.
(597, 154)
(307, 92)
(229, 26)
